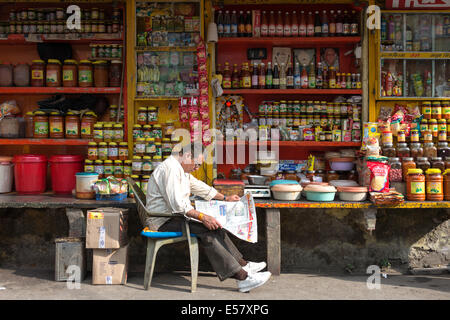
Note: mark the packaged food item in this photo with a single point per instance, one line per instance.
(379, 176)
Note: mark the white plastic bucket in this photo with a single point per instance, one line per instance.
(85, 181)
(6, 174)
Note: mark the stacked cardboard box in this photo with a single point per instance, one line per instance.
(106, 234)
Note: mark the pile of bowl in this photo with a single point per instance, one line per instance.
(285, 190)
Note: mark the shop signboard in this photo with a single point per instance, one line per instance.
(417, 4)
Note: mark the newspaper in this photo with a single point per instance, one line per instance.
(239, 217)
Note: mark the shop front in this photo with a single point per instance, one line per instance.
(325, 122)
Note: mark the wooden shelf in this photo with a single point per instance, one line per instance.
(293, 91)
(158, 49)
(21, 39)
(321, 144)
(56, 90)
(293, 41)
(45, 142)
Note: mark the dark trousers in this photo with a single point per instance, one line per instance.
(220, 250)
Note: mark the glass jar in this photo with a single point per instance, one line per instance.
(438, 163)
(157, 160)
(433, 127)
(415, 137)
(100, 74)
(416, 150)
(158, 149)
(407, 163)
(118, 169)
(445, 110)
(150, 147)
(92, 151)
(401, 137)
(388, 150)
(40, 126)
(37, 73)
(442, 136)
(53, 73)
(127, 168)
(89, 166)
(447, 185)
(139, 147)
(72, 125)
(85, 74)
(157, 133)
(113, 112)
(108, 132)
(88, 121)
(28, 124)
(169, 128)
(426, 109)
(403, 150)
(424, 125)
(137, 132)
(423, 164)
(429, 150)
(115, 73)
(415, 186)
(434, 185)
(396, 172)
(70, 73)
(427, 136)
(166, 147)
(332, 175)
(99, 168)
(386, 137)
(136, 166)
(147, 131)
(56, 125)
(98, 132)
(142, 116)
(436, 110)
(147, 165)
(443, 150)
(108, 168)
(152, 116)
(113, 151)
(123, 151)
(118, 132)
(102, 150)
(447, 163)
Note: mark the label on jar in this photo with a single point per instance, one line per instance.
(108, 134)
(89, 168)
(109, 170)
(37, 74)
(113, 152)
(140, 148)
(417, 187)
(426, 109)
(98, 134)
(414, 136)
(434, 187)
(147, 166)
(123, 152)
(56, 127)
(136, 166)
(118, 134)
(68, 75)
(85, 128)
(127, 170)
(85, 76)
(99, 169)
(71, 128)
(151, 148)
(103, 153)
(41, 128)
(142, 116)
(92, 152)
(118, 170)
(52, 76)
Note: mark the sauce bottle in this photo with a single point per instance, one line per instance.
(317, 25)
(264, 25)
(332, 84)
(354, 29)
(279, 25)
(346, 24)
(276, 77)
(226, 82)
(241, 26)
(297, 79)
(325, 83)
(246, 77)
(234, 25)
(304, 78)
(319, 77)
(227, 24)
(339, 24)
(283, 76)
(294, 25)
(289, 77)
(310, 25)
(272, 26)
(302, 25)
(269, 76)
(220, 24)
(332, 24)
(255, 77)
(325, 26)
(287, 25)
(312, 76)
(235, 78)
(248, 25)
(262, 76)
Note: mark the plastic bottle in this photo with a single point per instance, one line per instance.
(297, 79)
(287, 25)
(220, 24)
(302, 25)
(294, 25)
(234, 24)
(310, 25)
(279, 25)
(235, 78)
(269, 76)
(226, 82)
(241, 25)
(282, 76)
(264, 25)
(272, 25)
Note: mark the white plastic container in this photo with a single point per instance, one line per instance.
(85, 181)
(6, 174)
(289, 192)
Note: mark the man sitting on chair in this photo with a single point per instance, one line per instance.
(169, 189)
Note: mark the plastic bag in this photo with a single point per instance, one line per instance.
(8, 108)
(379, 176)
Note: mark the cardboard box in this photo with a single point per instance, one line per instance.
(109, 266)
(106, 228)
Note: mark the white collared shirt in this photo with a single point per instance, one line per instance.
(169, 189)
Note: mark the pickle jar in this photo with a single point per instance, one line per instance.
(429, 150)
(423, 163)
(147, 131)
(118, 132)
(92, 151)
(157, 160)
(396, 172)
(144, 182)
(113, 151)
(139, 147)
(113, 109)
(98, 132)
(102, 151)
(123, 151)
(416, 150)
(438, 163)
(403, 150)
(158, 147)
(136, 166)
(142, 116)
(388, 150)
(407, 163)
(137, 132)
(443, 150)
(445, 110)
(169, 128)
(434, 185)
(415, 185)
(436, 110)
(108, 168)
(56, 124)
(426, 110)
(72, 126)
(89, 166)
(147, 165)
(108, 132)
(99, 168)
(152, 115)
(150, 147)
(118, 169)
(157, 133)
(127, 168)
(166, 147)
(87, 125)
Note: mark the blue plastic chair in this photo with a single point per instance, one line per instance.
(156, 240)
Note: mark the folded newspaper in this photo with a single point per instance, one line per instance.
(239, 217)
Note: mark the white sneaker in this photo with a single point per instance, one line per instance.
(253, 281)
(254, 267)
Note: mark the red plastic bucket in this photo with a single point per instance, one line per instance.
(30, 173)
(63, 169)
